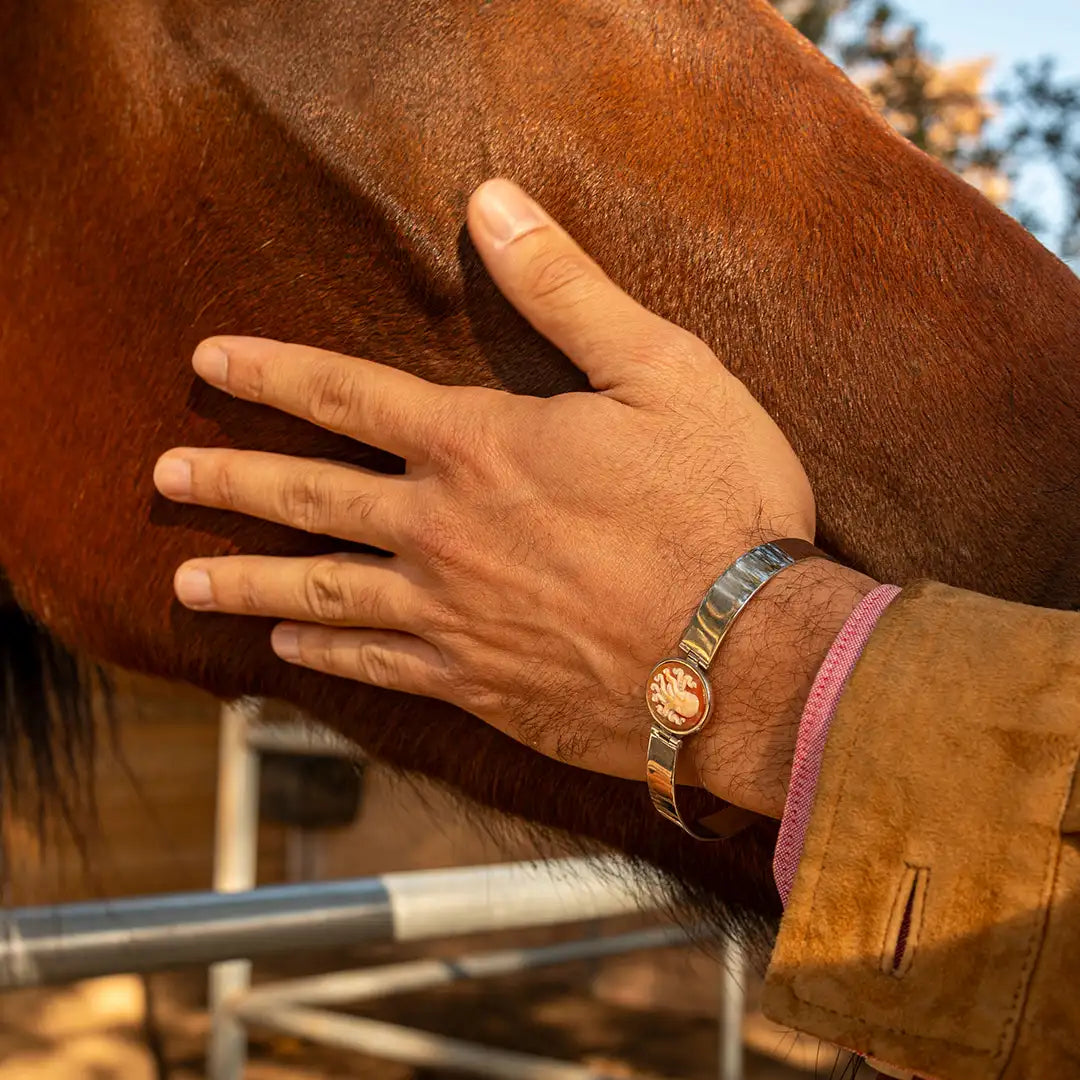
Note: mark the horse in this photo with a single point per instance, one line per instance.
(299, 169)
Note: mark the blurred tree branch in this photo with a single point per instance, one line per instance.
(1044, 125)
(946, 110)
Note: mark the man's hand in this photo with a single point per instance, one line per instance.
(547, 551)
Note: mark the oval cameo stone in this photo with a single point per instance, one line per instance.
(677, 696)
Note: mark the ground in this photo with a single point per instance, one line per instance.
(605, 1014)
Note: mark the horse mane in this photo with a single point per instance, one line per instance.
(50, 700)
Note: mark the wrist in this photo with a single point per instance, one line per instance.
(762, 677)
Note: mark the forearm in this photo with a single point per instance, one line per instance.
(762, 679)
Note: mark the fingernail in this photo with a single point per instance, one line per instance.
(193, 587)
(507, 212)
(285, 641)
(172, 476)
(212, 363)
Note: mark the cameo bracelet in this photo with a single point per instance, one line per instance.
(677, 692)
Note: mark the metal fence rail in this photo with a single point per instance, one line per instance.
(73, 941)
(291, 1006)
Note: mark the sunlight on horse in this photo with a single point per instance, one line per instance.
(175, 168)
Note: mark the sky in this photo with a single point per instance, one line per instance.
(1009, 31)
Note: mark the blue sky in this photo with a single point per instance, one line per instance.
(1009, 31)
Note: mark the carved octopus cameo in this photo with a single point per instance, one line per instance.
(677, 696)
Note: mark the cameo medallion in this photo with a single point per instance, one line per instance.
(678, 696)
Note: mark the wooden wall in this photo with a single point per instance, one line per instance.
(155, 802)
(156, 817)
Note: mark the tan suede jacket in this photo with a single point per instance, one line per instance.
(935, 918)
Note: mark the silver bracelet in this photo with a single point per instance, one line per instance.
(678, 695)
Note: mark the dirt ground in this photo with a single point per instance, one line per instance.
(612, 1015)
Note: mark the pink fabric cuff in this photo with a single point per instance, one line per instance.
(820, 708)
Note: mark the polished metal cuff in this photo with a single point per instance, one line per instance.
(678, 695)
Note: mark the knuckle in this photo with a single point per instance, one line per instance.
(249, 595)
(305, 503)
(457, 679)
(474, 447)
(674, 349)
(442, 618)
(380, 666)
(689, 348)
(316, 650)
(478, 696)
(459, 446)
(247, 378)
(222, 486)
(561, 277)
(410, 517)
(377, 605)
(461, 421)
(326, 595)
(360, 505)
(332, 396)
(439, 540)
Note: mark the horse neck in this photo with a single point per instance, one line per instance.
(307, 178)
(917, 346)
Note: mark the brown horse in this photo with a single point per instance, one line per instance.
(299, 169)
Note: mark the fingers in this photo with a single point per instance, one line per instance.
(394, 661)
(344, 501)
(370, 402)
(338, 590)
(566, 296)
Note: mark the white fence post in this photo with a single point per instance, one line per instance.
(235, 849)
(732, 1008)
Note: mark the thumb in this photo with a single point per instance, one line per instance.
(540, 269)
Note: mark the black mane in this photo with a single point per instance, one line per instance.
(48, 698)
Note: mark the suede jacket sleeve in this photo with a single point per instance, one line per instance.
(934, 921)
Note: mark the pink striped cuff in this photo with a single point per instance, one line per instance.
(820, 707)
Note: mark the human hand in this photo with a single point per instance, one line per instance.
(546, 551)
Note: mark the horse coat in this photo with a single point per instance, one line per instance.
(299, 169)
